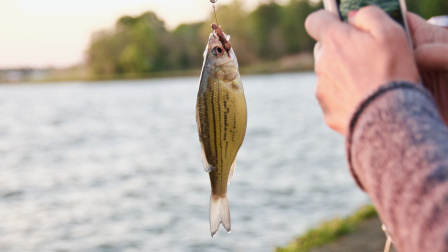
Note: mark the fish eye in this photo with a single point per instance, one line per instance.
(217, 51)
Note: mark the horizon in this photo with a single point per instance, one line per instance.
(57, 33)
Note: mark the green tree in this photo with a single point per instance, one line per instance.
(266, 30)
(148, 36)
(432, 8)
(132, 60)
(188, 51)
(428, 9)
(103, 53)
(295, 36)
(136, 45)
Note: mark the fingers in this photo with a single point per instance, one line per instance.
(320, 22)
(432, 56)
(330, 105)
(415, 22)
(374, 21)
(423, 32)
(317, 51)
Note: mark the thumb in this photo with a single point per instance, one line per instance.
(421, 31)
(415, 22)
(318, 23)
(374, 21)
(432, 56)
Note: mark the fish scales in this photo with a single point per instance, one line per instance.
(221, 115)
(223, 120)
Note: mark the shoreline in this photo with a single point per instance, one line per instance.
(361, 231)
(302, 62)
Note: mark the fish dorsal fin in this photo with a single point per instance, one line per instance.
(232, 170)
(207, 166)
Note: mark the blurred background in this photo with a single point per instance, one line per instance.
(85, 40)
(98, 140)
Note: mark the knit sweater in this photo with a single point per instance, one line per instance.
(397, 150)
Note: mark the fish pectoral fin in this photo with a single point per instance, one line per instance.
(232, 170)
(207, 166)
(219, 214)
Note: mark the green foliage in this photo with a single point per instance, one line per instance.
(142, 45)
(136, 45)
(189, 46)
(329, 231)
(295, 36)
(132, 60)
(428, 9)
(266, 32)
(102, 53)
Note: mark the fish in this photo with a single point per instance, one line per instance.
(221, 116)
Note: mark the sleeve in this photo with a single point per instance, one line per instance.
(397, 150)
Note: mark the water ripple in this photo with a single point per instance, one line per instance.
(115, 166)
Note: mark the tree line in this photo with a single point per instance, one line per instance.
(143, 45)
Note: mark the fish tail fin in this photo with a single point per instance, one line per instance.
(219, 214)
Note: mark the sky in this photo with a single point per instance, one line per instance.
(56, 33)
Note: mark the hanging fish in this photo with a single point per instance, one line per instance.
(221, 115)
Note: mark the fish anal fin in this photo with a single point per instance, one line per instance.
(219, 214)
(231, 172)
(207, 166)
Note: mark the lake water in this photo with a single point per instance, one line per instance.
(116, 166)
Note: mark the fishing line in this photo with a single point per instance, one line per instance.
(214, 10)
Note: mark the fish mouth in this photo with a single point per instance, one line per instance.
(215, 46)
(224, 59)
(220, 39)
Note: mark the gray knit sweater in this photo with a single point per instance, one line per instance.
(397, 151)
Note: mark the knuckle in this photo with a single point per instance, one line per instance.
(371, 10)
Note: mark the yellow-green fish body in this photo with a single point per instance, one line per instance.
(221, 115)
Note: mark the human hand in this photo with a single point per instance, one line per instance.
(352, 60)
(431, 53)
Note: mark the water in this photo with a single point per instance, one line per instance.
(115, 166)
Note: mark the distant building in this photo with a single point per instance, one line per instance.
(23, 74)
(14, 76)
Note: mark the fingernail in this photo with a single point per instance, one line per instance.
(351, 14)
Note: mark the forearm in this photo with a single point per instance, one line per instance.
(398, 152)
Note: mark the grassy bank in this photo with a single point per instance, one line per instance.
(294, 63)
(329, 231)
